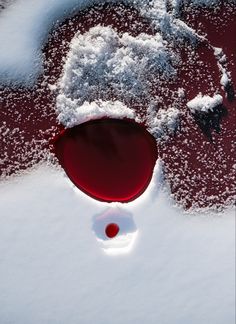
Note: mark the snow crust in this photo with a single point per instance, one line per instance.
(204, 103)
(180, 268)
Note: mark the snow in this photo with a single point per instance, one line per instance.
(123, 67)
(180, 269)
(163, 123)
(24, 26)
(225, 80)
(204, 103)
(177, 4)
(122, 243)
(71, 114)
(4, 4)
(222, 65)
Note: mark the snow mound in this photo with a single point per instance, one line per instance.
(122, 67)
(163, 123)
(204, 103)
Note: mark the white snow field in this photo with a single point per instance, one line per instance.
(167, 266)
(53, 269)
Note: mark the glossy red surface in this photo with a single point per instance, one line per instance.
(112, 230)
(108, 159)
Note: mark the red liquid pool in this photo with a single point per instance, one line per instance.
(108, 159)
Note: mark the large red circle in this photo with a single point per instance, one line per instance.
(108, 159)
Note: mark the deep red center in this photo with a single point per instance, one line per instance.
(112, 230)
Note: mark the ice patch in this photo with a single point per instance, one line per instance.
(204, 103)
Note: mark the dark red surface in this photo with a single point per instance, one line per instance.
(199, 161)
(112, 230)
(108, 159)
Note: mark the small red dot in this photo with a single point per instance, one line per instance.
(112, 230)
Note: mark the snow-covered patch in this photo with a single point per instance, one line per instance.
(163, 123)
(222, 65)
(53, 269)
(204, 103)
(122, 67)
(72, 114)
